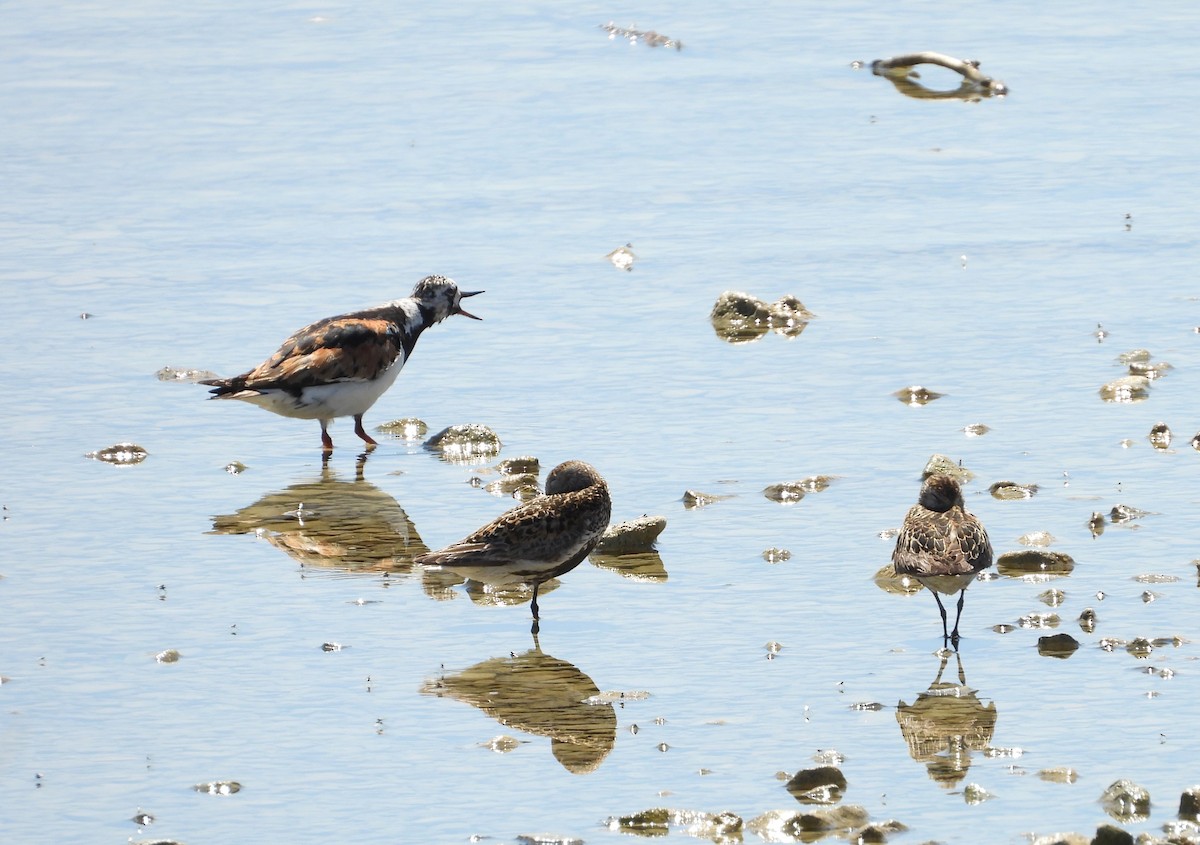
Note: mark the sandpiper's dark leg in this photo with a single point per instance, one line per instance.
(326, 440)
(358, 429)
(962, 596)
(942, 608)
(534, 604)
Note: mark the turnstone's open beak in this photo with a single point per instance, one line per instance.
(460, 310)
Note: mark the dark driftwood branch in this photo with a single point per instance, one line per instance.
(900, 68)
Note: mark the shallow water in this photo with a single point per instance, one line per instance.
(203, 180)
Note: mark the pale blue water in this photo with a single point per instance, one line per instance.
(205, 179)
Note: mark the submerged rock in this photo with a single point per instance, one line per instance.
(1126, 802)
(1189, 804)
(975, 430)
(524, 465)
(183, 374)
(219, 787)
(774, 555)
(790, 826)
(944, 465)
(789, 317)
(622, 258)
(915, 394)
(1126, 389)
(1059, 774)
(1038, 564)
(1011, 491)
(466, 443)
(787, 493)
(822, 785)
(696, 499)
(632, 536)
(1106, 834)
(1038, 539)
(1160, 436)
(739, 317)
(1125, 513)
(655, 821)
(120, 454)
(405, 428)
(1061, 646)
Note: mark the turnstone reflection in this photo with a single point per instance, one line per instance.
(941, 545)
(339, 366)
(538, 540)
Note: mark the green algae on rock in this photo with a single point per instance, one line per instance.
(405, 428)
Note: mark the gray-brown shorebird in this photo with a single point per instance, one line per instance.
(942, 546)
(339, 366)
(538, 540)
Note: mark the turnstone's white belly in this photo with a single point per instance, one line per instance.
(326, 401)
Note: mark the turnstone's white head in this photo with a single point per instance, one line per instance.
(439, 298)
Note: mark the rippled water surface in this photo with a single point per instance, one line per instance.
(199, 180)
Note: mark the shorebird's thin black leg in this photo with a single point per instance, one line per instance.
(942, 608)
(534, 603)
(962, 597)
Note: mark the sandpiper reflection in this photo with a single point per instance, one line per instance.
(945, 724)
(542, 695)
(332, 523)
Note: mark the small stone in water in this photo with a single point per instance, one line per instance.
(1096, 524)
(829, 757)
(976, 430)
(332, 646)
(774, 555)
(519, 466)
(405, 428)
(1087, 620)
(1011, 491)
(1059, 774)
(1140, 647)
(183, 374)
(622, 258)
(1155, 578)
(1160, 436)
(1149, 596)
(1126, 389)
(696, 499)
(1040, 539)
(786, 493)
(1039, 620)
(1054, 598)
(235, 467)
(1004, 628)
(822, 785)
(773, 647)
(945, 465)
(502, 744)
(870, 706)
(1124, 513)
(973, 793)
(1061, 646)
(168, 656)
(1126, 802)
(466, 443)
(1189, 804)
(121, 454)
(631, 536)
(219, 787)
(739, 317)
(915, 395)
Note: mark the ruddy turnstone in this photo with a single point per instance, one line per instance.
(339, 366)
(539, 540)
(941, 545)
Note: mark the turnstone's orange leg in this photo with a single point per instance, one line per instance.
(326, 440)
(358, 429)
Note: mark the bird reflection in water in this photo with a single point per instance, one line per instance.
(542, 695)
(333, 524)
(945, 724)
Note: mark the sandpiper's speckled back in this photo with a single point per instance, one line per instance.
(540, 539)
(939, 537)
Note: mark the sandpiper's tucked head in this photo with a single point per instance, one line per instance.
(442, 297)
(572, 476)
(940, 493)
